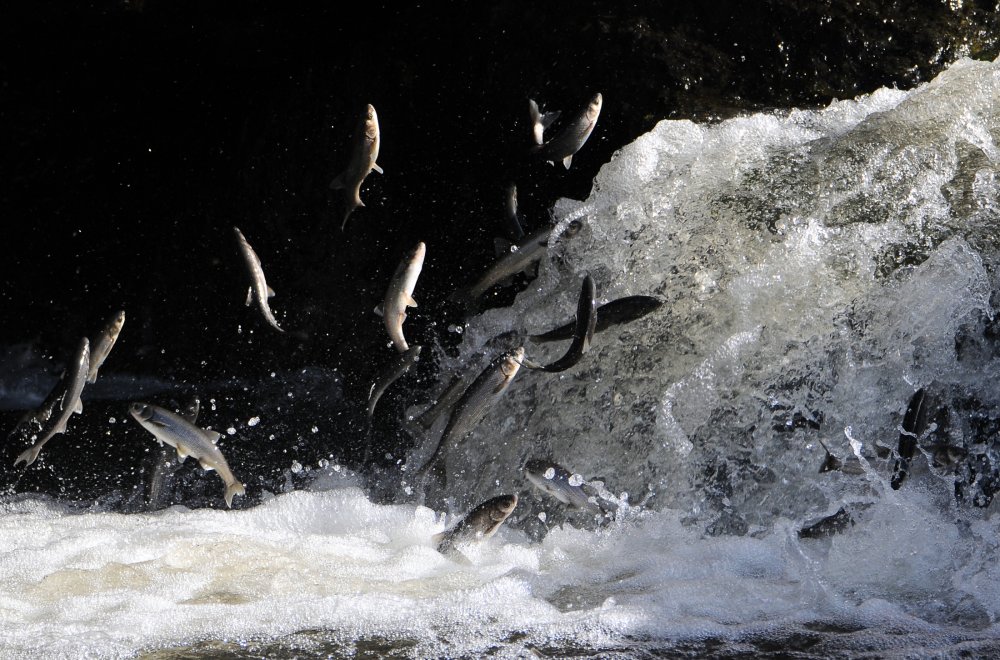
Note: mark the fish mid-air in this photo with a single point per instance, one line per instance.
(476, 401)
(400, 364)
(259, 289)
(399, 295)
(583, 332)
(103, 343)
(616, 312)
(189, 440)
(362, 162)
(62, 402)
(572, 138)
(480, 523)
(558, 482)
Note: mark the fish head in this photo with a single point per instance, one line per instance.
(512, 363)
(594, 108)
(117, 321)
(502, 507)
(143, 412)
(418, 253)
(371, 123)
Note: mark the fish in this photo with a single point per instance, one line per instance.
(400, 364)
(617, 312)
(258, 285)
(586, 318)
(102, 344)
(530, 251)
(540, 121)
(480, 523)
(555, 480)
(189, 440)
(513, 221)
(445, 401)
(161, 468)
(362, 162)
(573, 136)
(62, 402)
(476, 401)
(914, 425)
(399, 295)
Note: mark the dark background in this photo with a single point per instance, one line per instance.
(137, 134)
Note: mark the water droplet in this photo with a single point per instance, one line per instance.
(253, 421)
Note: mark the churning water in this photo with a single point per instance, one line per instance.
(819, 267)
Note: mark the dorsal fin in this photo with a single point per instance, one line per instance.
(212, 436)
(191, 410)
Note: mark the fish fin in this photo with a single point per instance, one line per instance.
(567, 161)
(270, 292)
(211, 436)
(547, 118)
(181, 452)
(249, 296)
(338, 183)
(235, 488)
(361, 204)
(78, 408)
(377, 168)
(157, 423)
(437, 538)
(378, 309)
(205, 466)
(29, 455)
(409, 301)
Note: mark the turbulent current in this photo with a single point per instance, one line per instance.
(819, 267)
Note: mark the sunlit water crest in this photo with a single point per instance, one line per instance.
(818, 267)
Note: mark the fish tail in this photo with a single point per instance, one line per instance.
(29, 455)
(234, 488)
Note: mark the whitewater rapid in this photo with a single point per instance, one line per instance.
(819, 266)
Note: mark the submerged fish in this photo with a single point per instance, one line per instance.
(476, 401)
(103, 343)
(400, 364)
(555, 480)
(399, 295)
(616, 312)
(189, 440)
(480, 523)
(586, 317)
(62, 402)
(573, 137)
(540, 121)
(258, 285)
(362, 162)
(527, 253)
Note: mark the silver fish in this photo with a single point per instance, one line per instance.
(616, 312)
(513, 221)
(103, 343)
(476, 401)
(400, 364)
(480, 523)
(586, 318)
(161, 466)
(573, 137)
(540, 121)
(189, 440)
(530, 251)
(258, 285)
(445, 401)
(555, 480)
(61, 403)
(399, 295)
(362, 162)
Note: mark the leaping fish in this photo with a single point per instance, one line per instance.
(62, 402)
(573, 137)
(399, 295)
(258, 285)
(480, 523)
(103, 343)
(189, 440)
(362, 162)
(476, 401)
(616, 312)
(586, 318)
